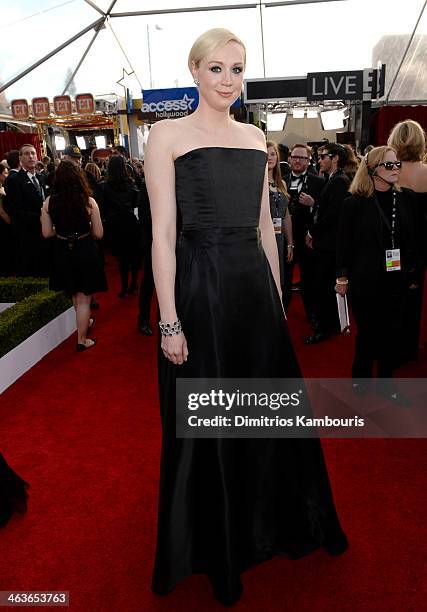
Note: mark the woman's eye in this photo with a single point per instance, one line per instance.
(216, 68)
(238, 69)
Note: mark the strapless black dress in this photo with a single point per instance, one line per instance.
(226, 504)
(13, 492)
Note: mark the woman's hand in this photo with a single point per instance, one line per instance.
(175, 348)
(290, 254)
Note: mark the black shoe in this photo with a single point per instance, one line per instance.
(316, 338)
(226, 591)
(144, 328)
(83, 347)
(94, 305)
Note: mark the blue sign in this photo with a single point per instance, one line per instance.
(172, 103)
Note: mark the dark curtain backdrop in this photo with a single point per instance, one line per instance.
(387, 116)
(15, 140)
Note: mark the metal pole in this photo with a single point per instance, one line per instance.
(124, 52)
(406, 52)
(262, 37)
(149, 56)
(98, 29)
(51, 54)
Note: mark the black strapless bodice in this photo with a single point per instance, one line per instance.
(219, 187)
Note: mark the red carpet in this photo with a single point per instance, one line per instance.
(84, 430)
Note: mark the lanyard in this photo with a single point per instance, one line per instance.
(391, 228)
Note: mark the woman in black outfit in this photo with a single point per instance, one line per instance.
(13, 492)
(118, 200)
(377, 231)
(409, 140)
(72, 216)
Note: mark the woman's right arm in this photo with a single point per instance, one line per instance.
(160, 179)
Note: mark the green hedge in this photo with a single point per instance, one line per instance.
(35, 309)
(16, 289)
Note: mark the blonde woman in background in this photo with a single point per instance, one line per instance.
(409, 140)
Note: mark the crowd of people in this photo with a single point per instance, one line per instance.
(57, 220)
(358, 226)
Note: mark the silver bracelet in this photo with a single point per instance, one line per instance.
(170, 329)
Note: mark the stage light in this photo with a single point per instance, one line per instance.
(100, 142)
(298, 113)
(312, 114)
(276, 122)
(81, 142)
(332, 120)
(59, 143)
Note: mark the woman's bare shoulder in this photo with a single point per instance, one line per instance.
(252, 132)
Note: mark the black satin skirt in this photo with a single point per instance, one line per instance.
(227, 504)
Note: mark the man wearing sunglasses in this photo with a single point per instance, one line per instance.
(304, 189)
(322, 238)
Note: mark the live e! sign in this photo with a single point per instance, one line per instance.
(335, 85)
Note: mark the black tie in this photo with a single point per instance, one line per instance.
(36, 184)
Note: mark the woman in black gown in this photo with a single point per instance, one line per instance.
(224, 504)
(118, 198)
(13, 492)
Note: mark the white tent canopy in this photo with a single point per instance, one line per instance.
(88, 44)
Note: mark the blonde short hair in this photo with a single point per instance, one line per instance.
(362, 184)
(210, 41)
(409, 140)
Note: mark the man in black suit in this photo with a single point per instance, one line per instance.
(26, 192)
(322, 238)
(304, 189)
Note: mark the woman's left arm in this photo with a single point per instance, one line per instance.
(287, 223)
(47, 226)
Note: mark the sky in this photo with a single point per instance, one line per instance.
(297, 39)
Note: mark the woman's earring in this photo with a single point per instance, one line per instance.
(197, 82)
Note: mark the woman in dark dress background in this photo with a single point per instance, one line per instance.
(13, 492)
(282, 222)
(118, 200)
(72, 216)
(377, 217)
(224, 504)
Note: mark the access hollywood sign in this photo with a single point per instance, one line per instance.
(172, 103)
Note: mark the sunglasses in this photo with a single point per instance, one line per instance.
(323, 155)
(298, 158)
(389, 165)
